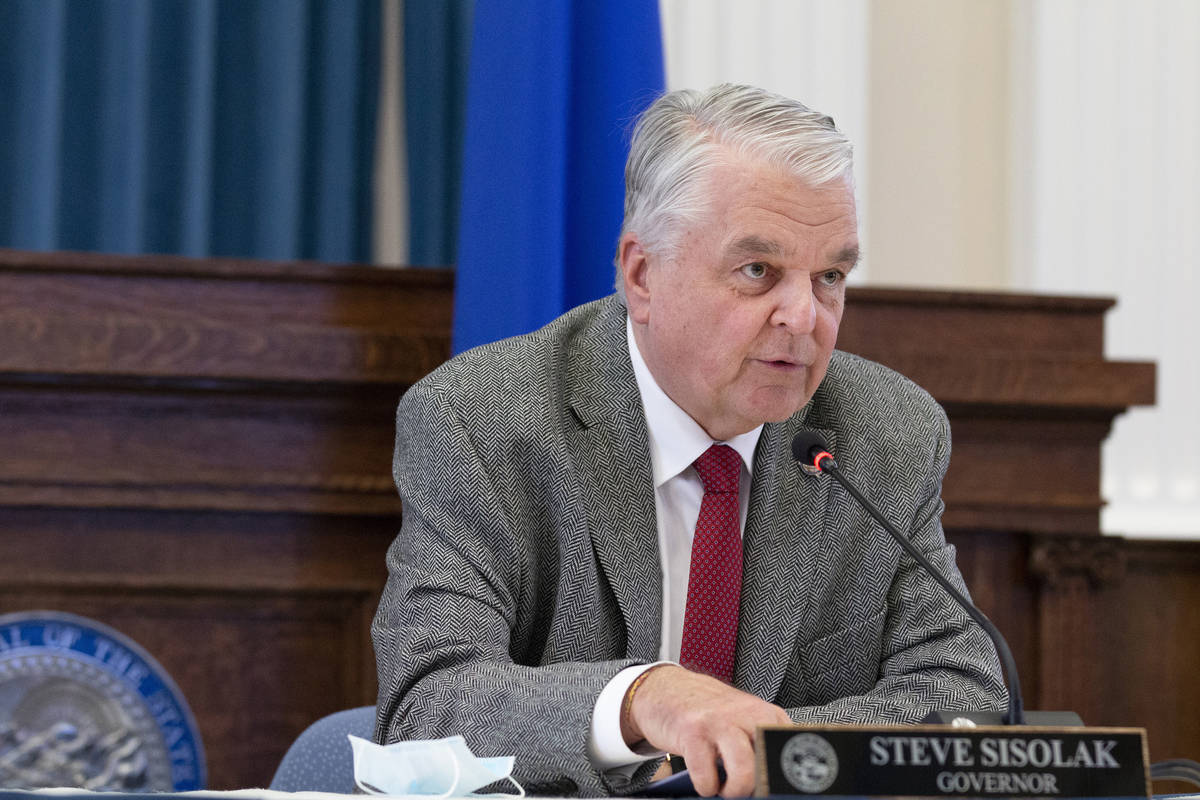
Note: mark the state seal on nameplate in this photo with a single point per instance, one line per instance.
(809, 762)
(82, 705)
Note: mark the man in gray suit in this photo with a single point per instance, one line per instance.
(599, 513)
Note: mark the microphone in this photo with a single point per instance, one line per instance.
(812, 451)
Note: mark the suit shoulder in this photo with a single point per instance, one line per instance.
(521, 371)
(865, 393)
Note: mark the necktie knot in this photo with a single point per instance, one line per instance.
(720, 469)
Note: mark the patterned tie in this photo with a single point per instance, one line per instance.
(710, 622)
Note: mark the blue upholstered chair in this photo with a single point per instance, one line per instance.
(320, 760)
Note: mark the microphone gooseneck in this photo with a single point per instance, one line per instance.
(812, 451)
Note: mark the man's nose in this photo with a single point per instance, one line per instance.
(796, 308)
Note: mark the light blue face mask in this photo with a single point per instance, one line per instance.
(438, 767)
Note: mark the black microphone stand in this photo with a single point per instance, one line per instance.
(812, 451)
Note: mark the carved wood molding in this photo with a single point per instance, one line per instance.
(1099, 560)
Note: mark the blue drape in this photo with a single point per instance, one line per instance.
(554, 88)
(201, 127)
(437, 43)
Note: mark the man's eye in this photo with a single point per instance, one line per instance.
(755, 270)
(832, 278)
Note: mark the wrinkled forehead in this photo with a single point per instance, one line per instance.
(728, 170)
(744, 198)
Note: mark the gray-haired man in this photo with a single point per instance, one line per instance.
(566, 531)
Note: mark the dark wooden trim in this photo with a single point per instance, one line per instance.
(238, 269)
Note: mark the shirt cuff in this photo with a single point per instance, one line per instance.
(606, 746)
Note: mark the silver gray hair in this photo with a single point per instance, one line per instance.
(684, 134)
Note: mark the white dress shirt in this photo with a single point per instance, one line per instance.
(676, 441)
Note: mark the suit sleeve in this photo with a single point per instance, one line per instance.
(458, 572)
(933, 655)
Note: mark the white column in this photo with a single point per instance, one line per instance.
(815, 51)
(389, 246)
(1106, 190)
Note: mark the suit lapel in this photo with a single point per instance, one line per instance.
(784, 538)
(611, 454)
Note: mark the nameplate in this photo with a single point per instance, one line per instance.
(940, 761)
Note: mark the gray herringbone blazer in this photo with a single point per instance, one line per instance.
(526, 573)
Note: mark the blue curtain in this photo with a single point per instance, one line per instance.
(201, 127)
(554, 88)
(437, 44)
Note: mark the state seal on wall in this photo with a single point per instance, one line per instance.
(82, 705)
(809, 763)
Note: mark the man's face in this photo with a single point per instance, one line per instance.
(739, 326)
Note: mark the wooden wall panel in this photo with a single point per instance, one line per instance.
(1029, 394)
(255, 666)
(117, 445)
(994, 564)
(197, 452)
(261, 619)
(1120, 623)
(88, 314)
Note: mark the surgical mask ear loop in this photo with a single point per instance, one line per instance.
(366, 787)
(359, 782)
(457, 775)
(520, 788)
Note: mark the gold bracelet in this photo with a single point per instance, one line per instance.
(627, 704)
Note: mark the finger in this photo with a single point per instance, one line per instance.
(737, 757)
(702, 767)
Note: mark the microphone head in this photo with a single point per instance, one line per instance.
(807, 445)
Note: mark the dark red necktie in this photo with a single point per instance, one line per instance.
(710, 623)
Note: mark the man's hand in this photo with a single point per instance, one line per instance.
(703, 720)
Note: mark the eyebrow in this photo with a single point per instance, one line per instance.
(752, 245)
(847, 257)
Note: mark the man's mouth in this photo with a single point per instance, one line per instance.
(780, 363)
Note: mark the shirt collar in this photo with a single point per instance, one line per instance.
(677, 440)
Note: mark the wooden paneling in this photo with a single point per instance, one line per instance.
(280, 450)
(165, 316)
(255, 666)
(261, 618)
(994, 564)
(1028, 390)
(1122, 616)
(197, 452)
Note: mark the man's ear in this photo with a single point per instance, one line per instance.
(635, 268)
